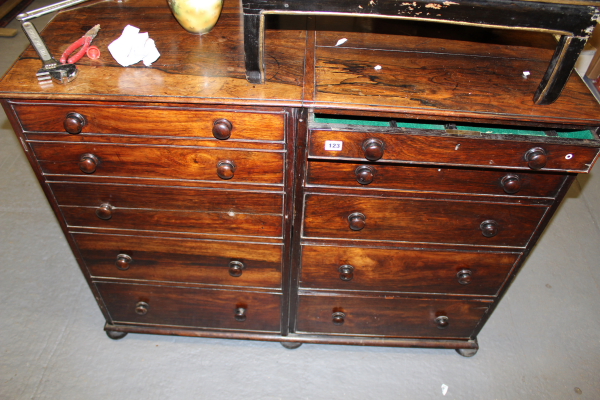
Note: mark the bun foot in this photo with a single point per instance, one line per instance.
(467, 352)
(114, 335)
(291, 345)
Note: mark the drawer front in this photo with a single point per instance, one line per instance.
(159, 209)
(178, 260)
(169, 122)
(161, 162)
(418, 220)
(358, 268)
(390, 316)
(216, 223)
(450, 150)
(433, 179)
(167, 198)
(191, 307)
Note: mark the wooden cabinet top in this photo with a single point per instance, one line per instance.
(383, 66)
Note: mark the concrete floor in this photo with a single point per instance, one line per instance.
(542, 342)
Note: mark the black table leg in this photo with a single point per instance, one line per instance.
(254, 47)
(558, 72)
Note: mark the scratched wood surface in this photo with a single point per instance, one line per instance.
(192, 68)
(386, 65)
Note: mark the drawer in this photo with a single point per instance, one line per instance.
(191, 307)
(151, 121)
(420, 220)
(389, 316)
(257, 225)
(178, 260)
(171, 210)
(402, 270)
(160, 162)
(433, 179)
(168, 198)
(452, 150)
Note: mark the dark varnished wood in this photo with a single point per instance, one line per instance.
(300, 338)
(192, 68)
(161, 162)
(191, 307)
(180, 260)
(455, 180)
(390, 316)
(235, 224)
(461, 78)
(188, 252)
(151, 121)
(88, 162)
(158, 198)
(488, 152)
(74, 123)
(419, 220)
(404, 270)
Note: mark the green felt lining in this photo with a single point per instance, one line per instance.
(501, 131)
(582, 134)
(352, 121)
(587, 134)
(412, 125)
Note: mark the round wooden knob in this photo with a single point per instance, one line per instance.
(240, 314)
(489, 228)
(464, 276)
(346, 272)
(536, 158)
(225, 169)
(74, 123)
(373, 149)
(88, 163)
(511, 183)
(236, 268)
(338, 318)
(364, 174)
(141, 308)
(222, 129)
(442, 322)
(357, 221)
(123, 262)
(104, 211)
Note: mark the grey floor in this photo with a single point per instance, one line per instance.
(542, 342)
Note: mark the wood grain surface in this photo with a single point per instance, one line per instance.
(390, 316)
(419, 220)
(433, 179)
(181, 260)
(217, 223)
(492, 151)
(419, 68)
(404, 270)
(160, 198)
(146, 120)
(423, 70)
(164, 162)
(191, 307)
(192, 68)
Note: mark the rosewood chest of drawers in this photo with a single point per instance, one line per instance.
(377, 195)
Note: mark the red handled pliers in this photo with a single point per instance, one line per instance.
(84, 42)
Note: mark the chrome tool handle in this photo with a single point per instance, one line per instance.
(47, 10)
(39, 45)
